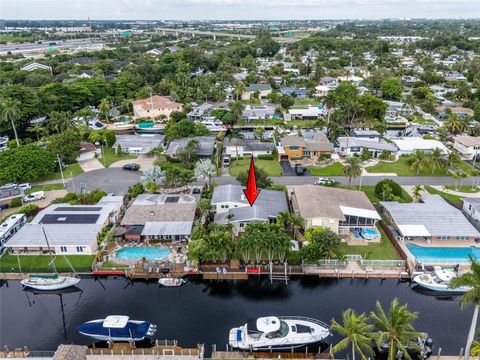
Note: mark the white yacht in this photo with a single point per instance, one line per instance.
(439, 281)
(279, 333)
(213, 124)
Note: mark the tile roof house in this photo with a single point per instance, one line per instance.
(139, 143)
(205, 148)
(242, 147)
(337, 209)
(154, 107)
(294, 147)
(161, 216)
(432, 220)
(230, 200)
(467, 146)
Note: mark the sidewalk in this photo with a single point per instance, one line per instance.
(457, 193)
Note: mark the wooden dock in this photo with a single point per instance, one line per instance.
(227, 276)
(268, 355)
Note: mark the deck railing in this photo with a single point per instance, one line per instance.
(383, 263)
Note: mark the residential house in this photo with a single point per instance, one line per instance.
(409, 145)
(292, 147)
(296, 93)
(155, 52)
(263, 91)
(258, 112)
(205, 147)
(87, 151)
(232, 207)
(340, 210)
(461, 112)
(160, 217)
(308, 113)
(241, 76)
(85, 60)
(432, 220)
(467, 146)
(174, 48)
(455, 77)
(348, 146)
(138, 144)
(471, 207)
(397, 108)
(368, 135)
(154, 107)
(36, 66)
(242, 147)
(70, 229)
(198, 113)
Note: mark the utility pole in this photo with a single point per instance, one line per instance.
(61, 170)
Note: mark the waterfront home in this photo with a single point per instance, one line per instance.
(292, 147)
(461, 112)
(348, 146)
(137, 144)
(308, 113)
(205, 147)
(241, 147)
(471, 207)
(232, 207)
(258, 112)
(297, 93)
(367, 135)
(263, 91)
(160, 217)
(154, 107)
(409, 145)
(70, 229)
(340, 210)
(467, 146)
(36, 66)
(432, 220)
(198, 113)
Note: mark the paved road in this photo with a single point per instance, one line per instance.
(110, 180)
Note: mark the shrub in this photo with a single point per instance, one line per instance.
(70, 197)
(16, 202)
(396, 189)
(28, 209)
(385, 155)
(265, 157)
(110, 137)
(135, 190)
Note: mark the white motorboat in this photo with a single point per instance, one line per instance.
(49, 282)
(171, 282)
(117, 328)
(280, 333)
(213, 124)
(439, 281)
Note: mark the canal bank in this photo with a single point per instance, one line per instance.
(203, 312)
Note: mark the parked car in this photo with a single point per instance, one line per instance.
(9, 186)
(25, 186)
(131, 167)
(324, 181)
(38, 195)
(299, 170)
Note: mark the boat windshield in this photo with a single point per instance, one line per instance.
(280, 333)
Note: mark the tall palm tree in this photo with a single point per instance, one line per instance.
(239, 90)
(453, 158)
(453, 124)
(204, 171)
(104, 107)
(418, 161)
(38, 129)
(417, 192)
(10, 112)
(352, 168)
(395, 328)
(356, 333)
(330, 102)
(235, 134)
(85, 113)
(472, 280)
(236, 107)
(435, 159)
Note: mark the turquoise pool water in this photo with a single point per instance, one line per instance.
(452, 255)
(146, 125)
(150, 253)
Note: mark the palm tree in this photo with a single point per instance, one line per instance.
(239, 90)
(453, 158)
(235, 134)
(435, 158)
(85, 113)
(453, 124)
(418, 161)
(395, 328)
(472, 280)
(236, 107)
(205, 170)
(104, 107)
(10, 112)
(459, 177)
(417, 192)
(37, 129)
(352, 168)
(356, 333)
(330, 102)
(153, 175)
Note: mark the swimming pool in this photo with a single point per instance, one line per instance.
(446, 255)
(150, 253)
(369, 234)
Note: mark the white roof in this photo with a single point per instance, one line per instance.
(311, 111)
(413, 230)
(371, 214)
(9, 223)
(115, 321)
(414, 143)
(268, 324)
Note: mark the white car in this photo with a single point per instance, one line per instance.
(38, 195)
(25, 186)
(324, 181)
(9, 186)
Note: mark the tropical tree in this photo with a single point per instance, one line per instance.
(435, 159)
(459, 177)
(240, 88)
(453, 158)
(204, 171)
(330, 102)
(290, 221)
(10, 113)
(417, 192)
(395, 328)
(85, 113)
(322, 243)
(235, 135)
(104, 107)
(418, 161)
(152, 178)
(236, 107)
(453, 124)
(472, 280)
(356, 332)
(38, 129)
(352, 168)
(188, 154)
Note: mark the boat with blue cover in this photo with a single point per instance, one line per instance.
(117, 328)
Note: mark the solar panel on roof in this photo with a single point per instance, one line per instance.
(78, 208)
(70, 219)
(172, 199)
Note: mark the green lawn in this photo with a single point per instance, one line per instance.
(307, 102)
(402, 168)
(45, 187)
(301, 123)
(110, 156)
(271, 167)
(40, 263)
(336, 169)
(451, 197)
(467, 189)
(68, 172)
(369, 190)
(373, 251)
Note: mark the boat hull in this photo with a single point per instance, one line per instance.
(421, 280)
(134, 331)
(50, 284)
(171, 282)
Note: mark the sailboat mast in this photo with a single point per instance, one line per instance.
(49, 251)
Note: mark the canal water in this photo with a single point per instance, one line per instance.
(204, 312)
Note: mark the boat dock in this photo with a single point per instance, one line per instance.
(268, 355)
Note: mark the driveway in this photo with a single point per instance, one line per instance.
(288, 170)
(145, 162)
(90, 165)
(110, 180)
(49, 197)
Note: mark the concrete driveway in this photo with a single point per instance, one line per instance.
(145, 162)
(90, 165)
(111, 180)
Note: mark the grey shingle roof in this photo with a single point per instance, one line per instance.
(145, 141)
(356, 142)
(206, 145)
(249, 144)
(438, 217)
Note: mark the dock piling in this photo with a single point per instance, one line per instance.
(439, 353)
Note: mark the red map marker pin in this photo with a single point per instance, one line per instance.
(251, 192)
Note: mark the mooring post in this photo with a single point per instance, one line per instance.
(439, 353)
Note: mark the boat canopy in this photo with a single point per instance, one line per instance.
(115, 321)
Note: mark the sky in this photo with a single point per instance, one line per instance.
(236, 9)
